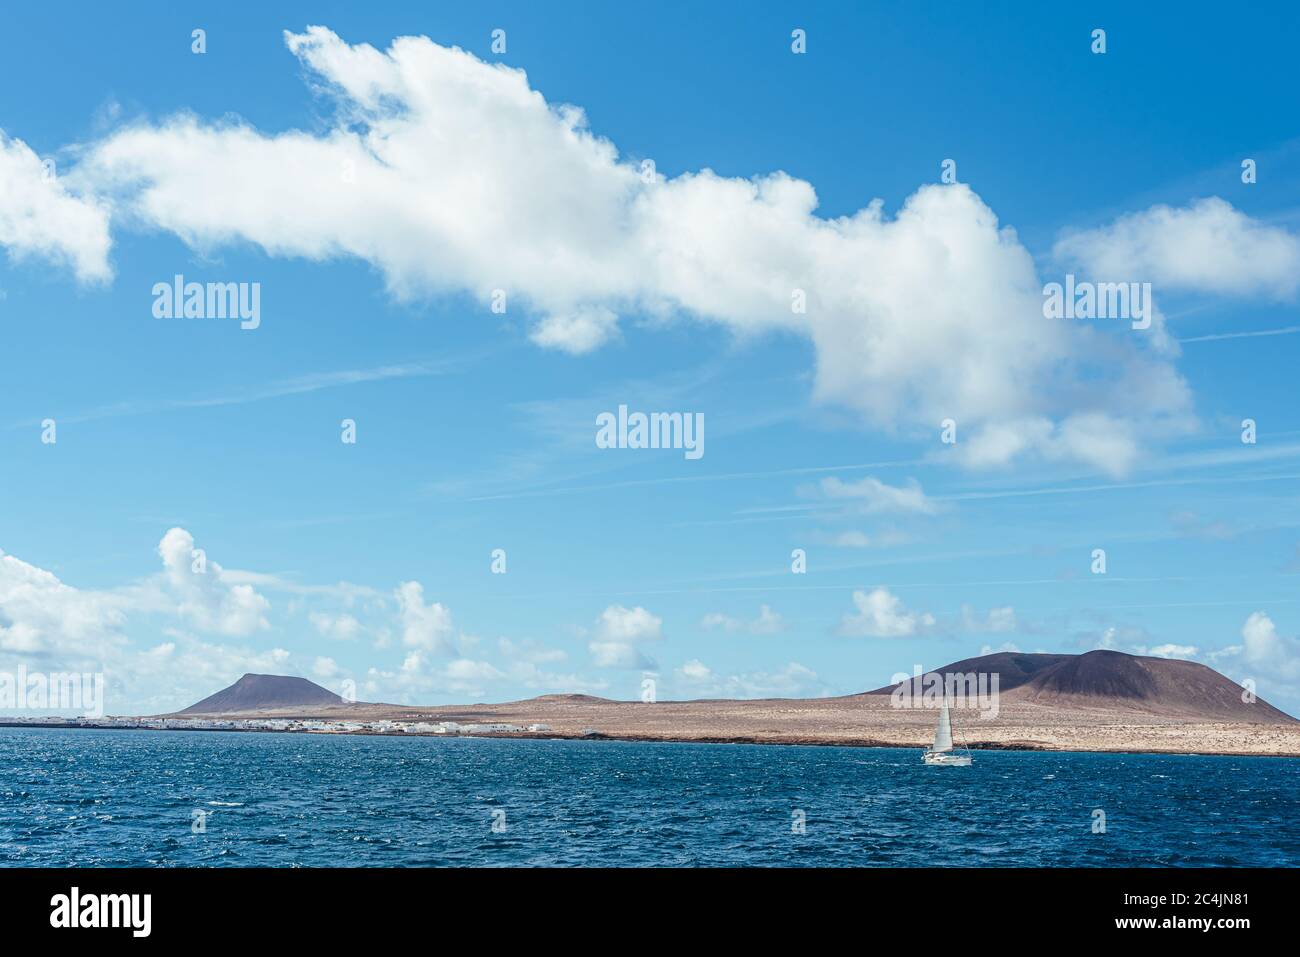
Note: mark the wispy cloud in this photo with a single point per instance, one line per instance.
(1216, 337)
(297, 385)
(716, 477)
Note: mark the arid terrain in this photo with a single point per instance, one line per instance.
(1101, 701)
(864, 720)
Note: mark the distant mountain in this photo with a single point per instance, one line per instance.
(259, 692)
(1013, 669)
(1113, 679)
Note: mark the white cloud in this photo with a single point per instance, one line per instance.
(529, 651)
(201, 592)
(996, 620)
(194, 668)
(1127, 638)
(40, 217)
(45, 620)
(619, 632)
(529, 675)
(1208, 246)
(577, 332)
(851, 539)
(418, 678)
(1133, 640)
(465, 671)
(48, 623)
(695, 670)
(1264, 648)
(768, 622)
(855, 538)
(872, 495)
(62, 627)
(342, 626)
(882, 615)
(696, 679)
(39, 614)
(424, 626)
(1006, 646)
(1108, 442)
(717, 621)
(933, 313)
(618, 654)
(630, 624)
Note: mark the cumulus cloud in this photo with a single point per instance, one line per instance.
(419, 678)
(192, 667)
(1207, 246)
(1265, 649)
(524, 661)
(872, 496)
(1111, 443)
(40, 217)
(464, 671)
(881, 614)
(450, 174)
(995, 621)
(1114, 638)
(696, 679)
(342, 626)
(1134, 640)
(767, 622)
(695, 670)
(39, 614)
(619, 633)
(47, 623)
(426, 627)
(529, 651)
(203, 594)
(194, 601)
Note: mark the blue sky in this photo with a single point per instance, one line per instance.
(380, 196)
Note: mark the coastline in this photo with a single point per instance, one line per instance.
(633, 738)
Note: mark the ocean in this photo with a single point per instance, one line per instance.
(193, 798)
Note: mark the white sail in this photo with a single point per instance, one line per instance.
(943, 737)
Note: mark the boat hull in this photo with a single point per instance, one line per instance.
(947, 759)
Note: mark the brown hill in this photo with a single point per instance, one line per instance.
(1115, 680)
(260, 692)
(1013, 669)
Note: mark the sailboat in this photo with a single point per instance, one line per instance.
(941, 751)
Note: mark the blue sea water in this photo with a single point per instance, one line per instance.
(128, 798)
